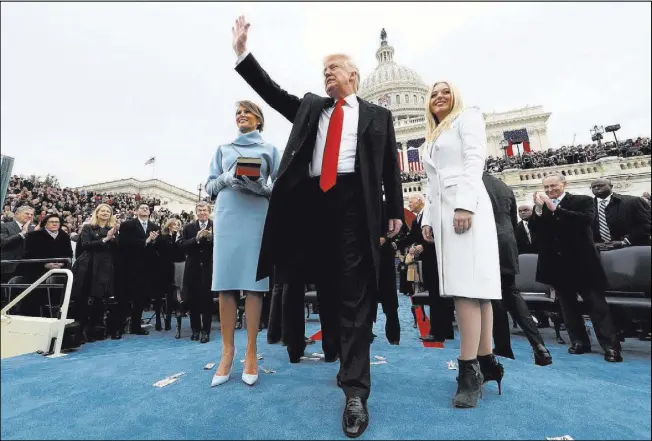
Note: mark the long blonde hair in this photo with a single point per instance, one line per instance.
(95, 221)
(434, 128)
(166, 229)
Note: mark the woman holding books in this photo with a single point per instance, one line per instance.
(240, 178)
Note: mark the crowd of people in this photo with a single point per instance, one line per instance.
(75, 207)
(552, 157)
(569, 155)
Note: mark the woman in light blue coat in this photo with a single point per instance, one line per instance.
(240, 210)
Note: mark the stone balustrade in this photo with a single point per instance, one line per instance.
(629, 175)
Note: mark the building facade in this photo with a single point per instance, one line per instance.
(402, 91)
(171, 196)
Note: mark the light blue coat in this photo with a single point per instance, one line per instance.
(239, 215)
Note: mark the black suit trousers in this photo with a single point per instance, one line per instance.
(293, 324)
(346, 279)
(598, 310)
(513, 302)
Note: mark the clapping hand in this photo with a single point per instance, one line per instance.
(202, 234)
(549, 203)
(111, 234)
(152, 237)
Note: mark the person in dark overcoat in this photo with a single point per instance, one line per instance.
(94, 271)
(197, 243)
(139, 262)
(569, 262)
(46, 243)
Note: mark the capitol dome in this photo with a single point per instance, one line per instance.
(391, 85)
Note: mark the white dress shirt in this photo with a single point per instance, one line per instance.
(607, 200)
(349, 142)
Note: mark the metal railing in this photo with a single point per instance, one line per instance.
(63, 312)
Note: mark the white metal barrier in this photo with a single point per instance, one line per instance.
(63, 312)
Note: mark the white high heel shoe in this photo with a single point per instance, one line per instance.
(249, 379)
(221, 379)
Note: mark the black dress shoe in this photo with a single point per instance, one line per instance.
(116, 336)
(308, 340)
(579, 348)
(194, 336)
(429, 338)
(542, 356)
(205, 337)
(140, 331)
(355, 418)
(613, 356)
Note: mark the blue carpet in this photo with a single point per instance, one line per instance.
(104, 391)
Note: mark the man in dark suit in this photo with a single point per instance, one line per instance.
(441, 309)
(504, 206)
(197, 243)
(621, 220)
(12, 239)
(46, 243)
(524, 238)
(139, 262)
(569, 262)
(340, 155)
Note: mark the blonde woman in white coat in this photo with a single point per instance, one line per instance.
(459, 220)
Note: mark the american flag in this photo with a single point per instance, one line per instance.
(414, 164)
(399, 155)
(515, 137)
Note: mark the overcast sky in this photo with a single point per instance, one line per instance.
(90, 91)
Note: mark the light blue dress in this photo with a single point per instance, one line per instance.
(240, 216)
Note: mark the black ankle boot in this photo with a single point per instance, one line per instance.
(469, 384)
(491, 370)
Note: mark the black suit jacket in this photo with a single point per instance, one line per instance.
(377, 159)
(628, 217)
(525, 245)
(40, 245)
(199, 260)
(504, 206)
(139, 262)
(12, 245)
(568, 258)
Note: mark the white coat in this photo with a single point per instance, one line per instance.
(468, 262)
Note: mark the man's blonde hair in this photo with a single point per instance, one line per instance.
(434, 127)
(350, 67)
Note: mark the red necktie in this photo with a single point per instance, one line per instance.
(332, 148)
